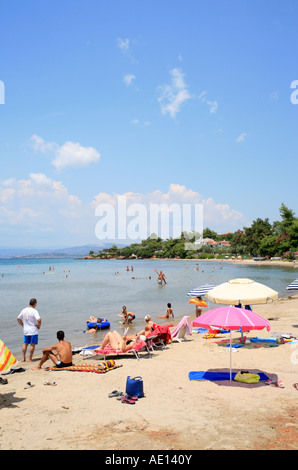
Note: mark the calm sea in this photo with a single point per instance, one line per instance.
(92, 287)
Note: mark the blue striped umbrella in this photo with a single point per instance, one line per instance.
(201, 290)
(293, 285)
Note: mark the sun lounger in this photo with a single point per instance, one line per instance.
(135, 350)
(160, 336)
(183, 328)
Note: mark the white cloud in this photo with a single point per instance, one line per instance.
(75, 155)
(123, 45)
(43, 208)
(70, 154)
(39, 144)
(213, 105)
(137, 122)
(217, 216)
(174, 95)
(241, 137)
(128, 79)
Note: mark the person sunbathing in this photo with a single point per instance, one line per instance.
(95, 320)
(150, 326)
(116, 341)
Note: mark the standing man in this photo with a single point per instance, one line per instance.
(30, 320)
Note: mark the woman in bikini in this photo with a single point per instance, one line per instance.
(116, 341)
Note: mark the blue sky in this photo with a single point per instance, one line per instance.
(172, 101)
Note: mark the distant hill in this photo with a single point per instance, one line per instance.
(69, 252)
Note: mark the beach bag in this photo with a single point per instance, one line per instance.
(247, 378)
(134, 386)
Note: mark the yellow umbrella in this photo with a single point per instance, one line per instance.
(244, 291)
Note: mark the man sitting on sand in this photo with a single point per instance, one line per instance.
(63, 355)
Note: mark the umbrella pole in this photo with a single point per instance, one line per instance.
(230, 354)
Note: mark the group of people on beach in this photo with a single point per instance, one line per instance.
(60, 353)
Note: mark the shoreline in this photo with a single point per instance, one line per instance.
(280, 263)
(176, 413)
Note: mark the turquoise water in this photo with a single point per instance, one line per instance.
(93, 288)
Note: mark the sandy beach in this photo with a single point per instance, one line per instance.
(176, 413)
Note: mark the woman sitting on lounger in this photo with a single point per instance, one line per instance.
(116, 341)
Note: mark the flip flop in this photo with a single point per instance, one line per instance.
(132, 398)
(29, 385)
(114, 393)
(120, 396)
(50, 382)
(125, 399)
(295, 386)
(275, 383)
(3, 381)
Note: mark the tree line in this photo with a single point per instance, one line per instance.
(262, 239)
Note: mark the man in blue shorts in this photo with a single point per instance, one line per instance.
(30, 320)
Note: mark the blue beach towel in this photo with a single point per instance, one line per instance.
(263, 340)
(218, 376)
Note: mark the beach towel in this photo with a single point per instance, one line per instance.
(163, 331)
(218, 376)
(184, 323)
(100, 368)
(7, 359)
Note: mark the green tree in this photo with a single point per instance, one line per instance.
(255, 233)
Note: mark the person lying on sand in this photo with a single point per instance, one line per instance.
(60, 354)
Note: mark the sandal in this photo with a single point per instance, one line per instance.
(3, 381)
(120, 396)
(295, 386)
(125, 399)
(114, 393)
(132, 398)
(50, 382)
(275, 383)
(29, 385)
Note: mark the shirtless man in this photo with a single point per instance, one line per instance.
(60, 354)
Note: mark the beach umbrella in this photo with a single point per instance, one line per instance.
(293, 285)
(242, 290)
(7, 359)
(201, 291)
(231, 318)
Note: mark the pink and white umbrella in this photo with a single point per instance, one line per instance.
(232, 318)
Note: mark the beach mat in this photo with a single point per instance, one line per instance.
(100, 368)
(218, 376)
